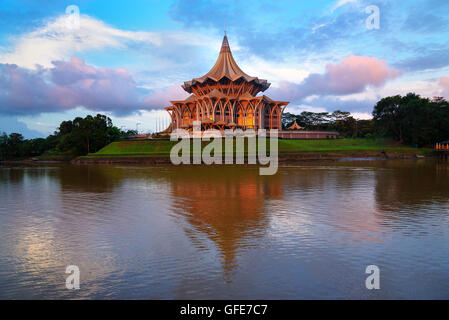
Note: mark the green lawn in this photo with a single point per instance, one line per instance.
(340, 144)
(137, 147)
(162, 147)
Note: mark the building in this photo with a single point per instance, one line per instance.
(226, 98)
(295, 126)
(295, 131)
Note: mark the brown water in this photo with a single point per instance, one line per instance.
(225, 232)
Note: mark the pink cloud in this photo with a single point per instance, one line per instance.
(76, 83)
(70, 84)
(444, 84)
(352, 74)
(162, 97)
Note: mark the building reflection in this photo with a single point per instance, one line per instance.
(227, 205)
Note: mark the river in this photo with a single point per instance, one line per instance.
(225, 232)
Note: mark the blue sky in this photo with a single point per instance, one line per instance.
(127, 59)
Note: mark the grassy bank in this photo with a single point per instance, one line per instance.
(310, 148)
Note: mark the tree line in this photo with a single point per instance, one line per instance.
(409, 119)
(341, 121)
(76, 137)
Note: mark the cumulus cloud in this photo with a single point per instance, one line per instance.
(69, 84)
(351, 75)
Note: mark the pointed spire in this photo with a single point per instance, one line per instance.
(225, 66)
(225, 45)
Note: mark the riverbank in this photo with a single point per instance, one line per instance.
(158, 151)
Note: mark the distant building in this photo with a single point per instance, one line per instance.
(295, 126)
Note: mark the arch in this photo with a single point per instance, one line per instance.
(227, 112)
(186, 115)
(177, 116)
(217, 112)
(199, 105)
(266, 116)
(275, 117)
(240, 115)
(250, 118)
(205, 105)
(194, 112)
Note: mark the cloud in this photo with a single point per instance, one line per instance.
(55, 41)
(40, 72)
(162, 97)
(69, 84)
(352, 74)
(12, 124)
(444, 85)
(330, 103)
(275, 34)
(341, 3)
(427, 17)
(428, 59)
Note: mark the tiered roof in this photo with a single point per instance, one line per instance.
(226, 67)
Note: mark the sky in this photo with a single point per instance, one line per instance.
(127, 59)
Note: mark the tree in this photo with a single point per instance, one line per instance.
(87, 135)
(76, 137)
(288, 119)
(306, 119)
(65, 127)
(341, 121)
(412, 119)
(365, 128)
(320, 119)
(15, 145)
(128, 133)
(387, 116)
(339, 118)
(3, 146)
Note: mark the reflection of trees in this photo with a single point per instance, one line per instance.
(225, 204)
(91, 178)
(11, 175)
(21, 175)
(405, 184)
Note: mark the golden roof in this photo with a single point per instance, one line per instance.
(225, 67)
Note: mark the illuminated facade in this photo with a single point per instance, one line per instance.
(226, 97)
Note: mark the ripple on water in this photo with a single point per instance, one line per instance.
(225, 232)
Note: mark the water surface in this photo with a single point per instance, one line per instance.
(224, 232)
